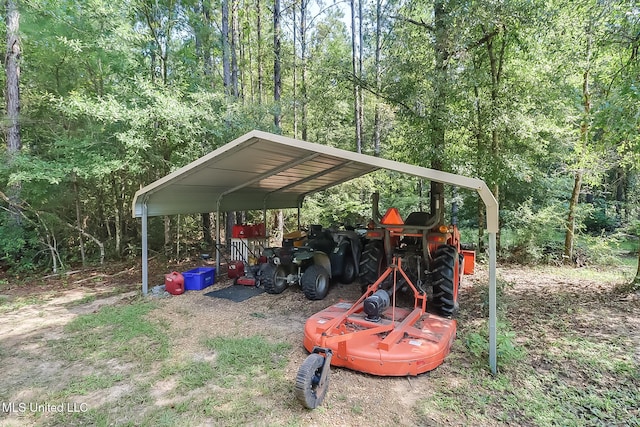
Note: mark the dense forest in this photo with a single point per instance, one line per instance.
(541, 99)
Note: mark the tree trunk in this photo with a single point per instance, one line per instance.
(377, 119)
(235, 46)
(295, 69)
(228, 231)
(12, 95)
(571, 219)
(480, 149)
(496, 64)
(117, 218)
(259, 53)
(439, 103)
(584, 137)
(279, 226)
(277, 77)
(356, 87)
(76, 193)
(167, 235)
(207, 59)
(206, 228)
(226, 50)
(636, 280)
(303, 67)
(360, 75)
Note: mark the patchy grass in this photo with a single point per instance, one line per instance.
(121, 332)
(568, 346)
(251, 357)
(8, 304)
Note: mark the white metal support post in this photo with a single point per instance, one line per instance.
(492, 304)
(145, 250)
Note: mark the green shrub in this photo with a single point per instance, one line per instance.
(507, 351)
(533, 232)
(20, 249)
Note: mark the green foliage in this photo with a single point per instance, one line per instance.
(19, 246)
(507, 351)
(117, 94)
(600, 217)
(534, 232)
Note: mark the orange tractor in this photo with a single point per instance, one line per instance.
(418, 256)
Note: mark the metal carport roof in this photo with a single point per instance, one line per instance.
(261, 170)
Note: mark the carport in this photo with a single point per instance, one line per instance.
(261, 171)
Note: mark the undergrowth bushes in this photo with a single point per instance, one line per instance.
(533, 235)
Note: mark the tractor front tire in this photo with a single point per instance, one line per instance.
(274, 278)
(315, 282)
(372, 263)
(445, 300)
(308, 389)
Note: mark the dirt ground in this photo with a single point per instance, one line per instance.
(29, 367)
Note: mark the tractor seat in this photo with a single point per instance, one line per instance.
(322, 241)
(418, 218)
(315, 230)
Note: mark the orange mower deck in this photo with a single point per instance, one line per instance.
(402, 342)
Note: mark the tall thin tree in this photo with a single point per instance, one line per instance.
(356, 82)
(377, 120)
(234, 48)
(226, 48)
(259, 47)
(277, 73)
(439, 104)
(12, 97)
(584, 137)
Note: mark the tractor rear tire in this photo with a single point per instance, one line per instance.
(372, 263)
(274, 278)
(307, 388)
(315, 282)
(444, 300)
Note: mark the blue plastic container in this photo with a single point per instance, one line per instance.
(199, 278)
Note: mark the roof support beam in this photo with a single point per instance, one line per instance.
(333, 184)
(267, 174)
(307, 179)
(312, 177)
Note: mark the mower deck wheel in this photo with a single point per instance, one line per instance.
(308, 388)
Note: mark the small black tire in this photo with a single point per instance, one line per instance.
(445, 300)
(315, 282)
(308, 389)
(274, 278)
(349, 271)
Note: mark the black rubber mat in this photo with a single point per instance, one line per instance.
(236, 293)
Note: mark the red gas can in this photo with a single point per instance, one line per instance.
(236, 269)
(174, 283)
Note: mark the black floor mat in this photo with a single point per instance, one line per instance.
(236, 293)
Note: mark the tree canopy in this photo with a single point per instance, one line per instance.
(539, 99)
